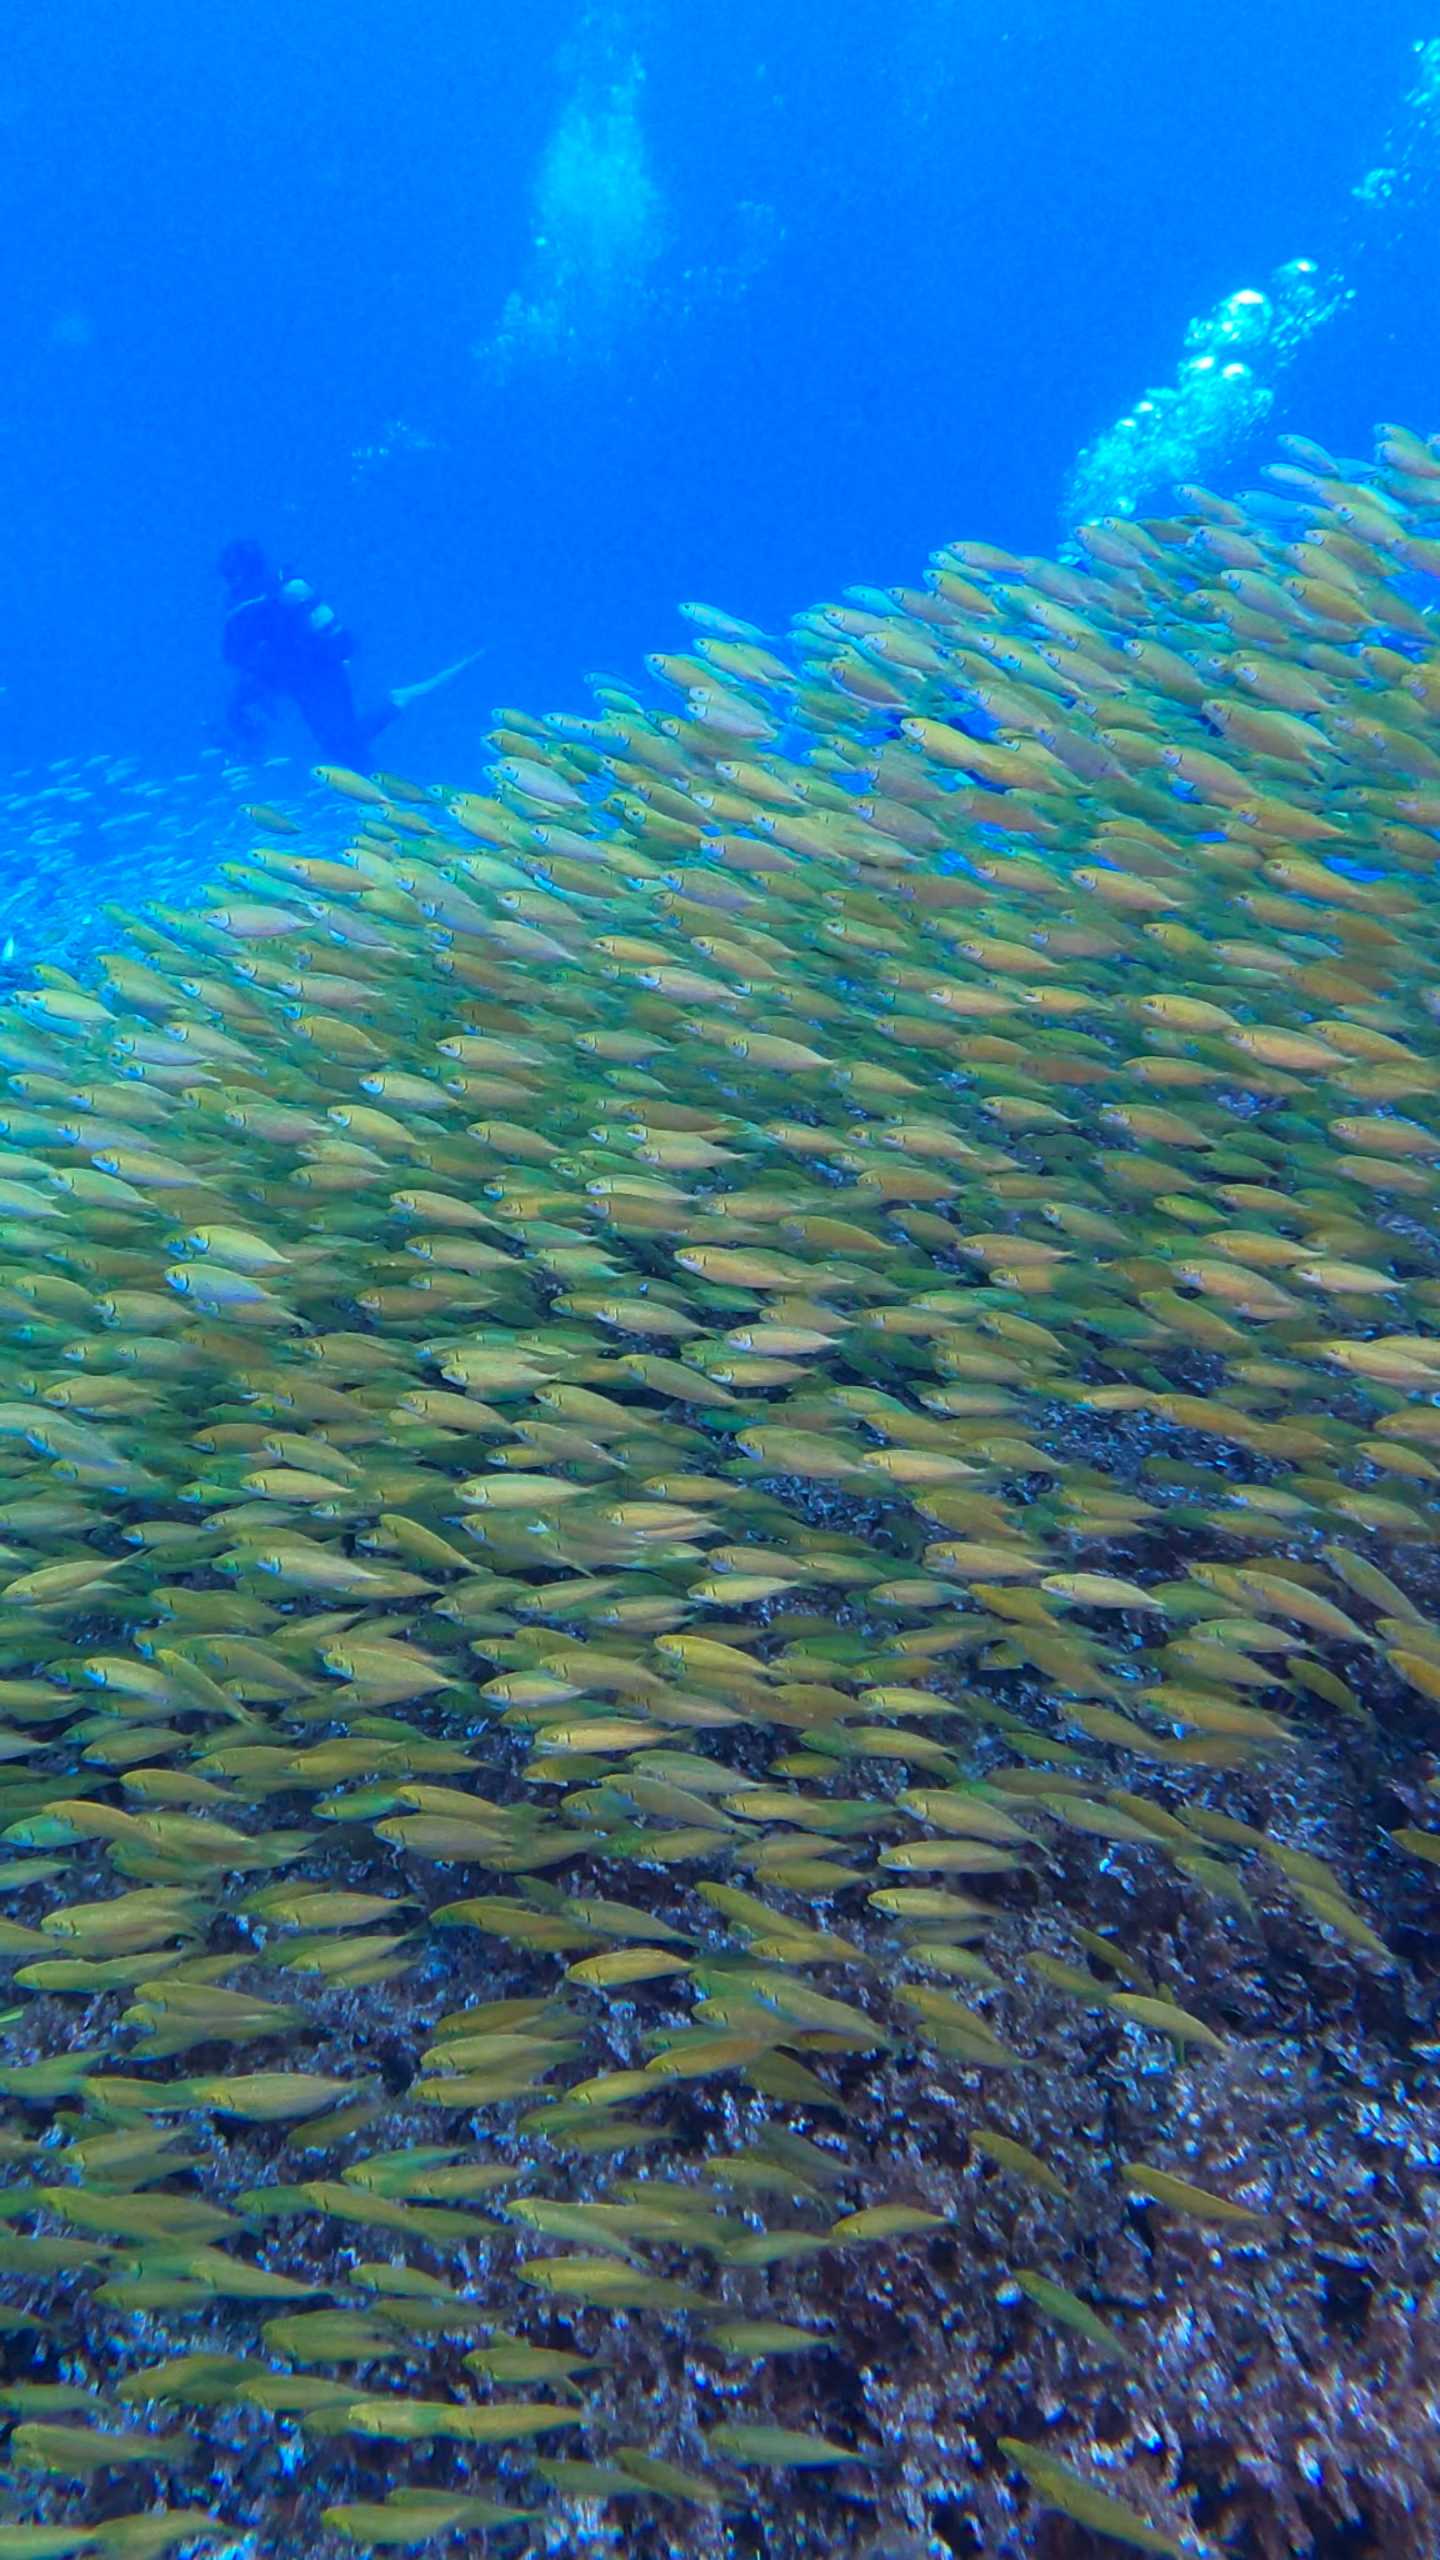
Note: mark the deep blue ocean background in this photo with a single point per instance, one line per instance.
(516, 325)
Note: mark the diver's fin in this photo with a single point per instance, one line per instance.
(402, 695)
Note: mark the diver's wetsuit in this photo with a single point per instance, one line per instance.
(285, 646)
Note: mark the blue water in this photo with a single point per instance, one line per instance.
(514, 326)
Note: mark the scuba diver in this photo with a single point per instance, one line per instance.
(285, 645)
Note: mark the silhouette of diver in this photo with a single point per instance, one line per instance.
(285, 645)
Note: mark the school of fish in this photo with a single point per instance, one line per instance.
(625, 1404)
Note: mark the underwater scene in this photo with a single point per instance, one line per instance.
(720, 1313)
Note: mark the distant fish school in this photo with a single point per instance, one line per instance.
(674, 1441)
